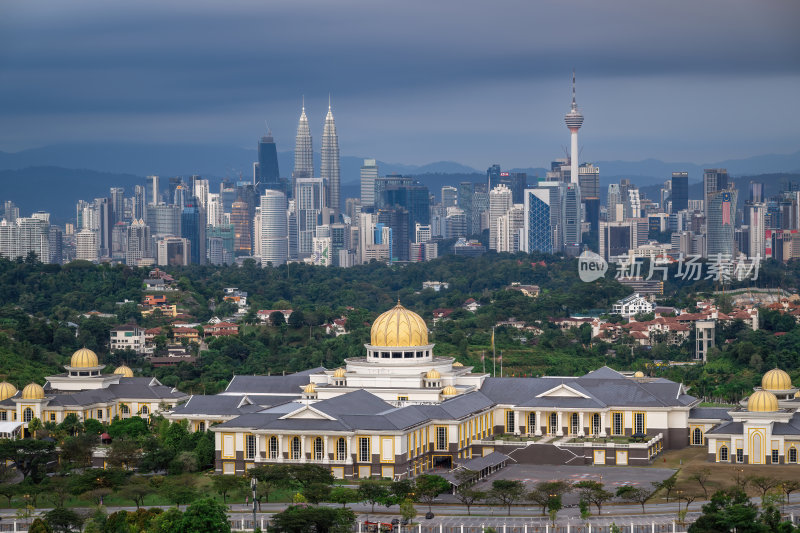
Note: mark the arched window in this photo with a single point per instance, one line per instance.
(532, 423)
(792, 454)
(145, 410)
(697, 437)
(319, 449)
(756, 454)
(27, 414)
(341, 449)
(596, 430)
(723, 453)
(123, 410)
(573, 426)
(201, 426)
(295, 449)
(553, 423)
(273, 447)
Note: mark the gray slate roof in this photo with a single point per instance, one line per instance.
(216, 405)
(276, 385)
(710, 413)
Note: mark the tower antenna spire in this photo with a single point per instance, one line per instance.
(304, 102)
(574, 105)
(329, 101)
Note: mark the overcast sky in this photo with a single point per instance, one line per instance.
(415, 81)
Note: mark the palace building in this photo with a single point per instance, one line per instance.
(401, 410)
(83, 390)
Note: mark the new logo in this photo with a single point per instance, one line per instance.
(591, 266)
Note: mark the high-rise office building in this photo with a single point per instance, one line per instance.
(537, 228)
(153, 193)
(164, 219)
(117, 204)
(480, 209)
(269, 176)
(757, 213)
(414, 197)
(119, 240)
(9, 239)
(615, 210)
(500, 201)
(517, 182)
(86, 245)
(398, 220)
(274, 229)
(34, 237)
(493, 176)
(449, 196)
(173, 251)
(329, 167)
(242, 222)
(193, 228)
(571, 216)
(10, 211)
(369, 173)
(56, 244)
(392, 181)
(465, 192)
(139, 202)
(303, 151)
(106, 224)
(214, 211)
(680, 191)
(616, 238)
(455, 223)
(138, 246)
(224, 238)
(720, 223)
(714, 179)
(510, 227)
(200, 190)
(309, 200)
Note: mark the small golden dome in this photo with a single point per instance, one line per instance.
(310, 389)
(399, 327)
(32, 391)
(340, 373)
(762, 401)
(449, 391)
(457, 364)
(84, 358)
(124, 371)
(638, 374)
(433, 374)
(776, 379)
(7, 390)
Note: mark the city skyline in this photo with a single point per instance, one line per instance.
(439, 96)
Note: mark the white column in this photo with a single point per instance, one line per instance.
(603, 424)
(516, 422)
(258, 447)
(581, 433)
(538, 431)
(560, 422)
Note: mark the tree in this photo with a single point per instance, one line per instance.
(167, 522)
(545, 490)
(136, 490)
(297, 319)
(30, 456)
(667, 485)
(403, 489)
(374, 491)
(728, 511)
(39, 526)
(764, 484)
(788, 486)
(468, 496)
(179, 490)
(702, 476)
(553, 507)
(270, 477)
(633, 494)
(507, 492)
(343, 495)
(205, 516)
(61, 519)
(317, 492)
(302, 519)
(124, 454)
(407, 511)
(594, 493)
(225, 484)
(276, 318)
(131, 428)
(96, 496)
(59, 487)
(77, 451)
(34, 425)
(429, 487)
(306, 474)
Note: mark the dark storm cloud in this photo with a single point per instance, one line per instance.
(85, 66)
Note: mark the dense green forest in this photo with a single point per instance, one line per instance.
(42, 319)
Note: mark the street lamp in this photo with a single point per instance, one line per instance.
(253, 484)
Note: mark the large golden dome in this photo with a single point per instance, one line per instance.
(762, 401)
(32, 391)
(776, 379)
(7, 390)
(309, 389)
(399, 327)
(84, 358)
(124, 371)
(433, 374)
(449, 391)
(340, 373)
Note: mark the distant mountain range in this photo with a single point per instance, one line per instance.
(228, 161)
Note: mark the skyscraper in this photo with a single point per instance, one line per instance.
(193, 228)
(720, 224)
(714, 179)
(153, 193)
(369, 173)
(571, 217)
(164, 219)
(86, 245)
(538, 232)
(500, 201)
(138, 245)
(269, 175)
(449, 196)
(274, 229)
(574, 121)
(493, 176)
(139, 202)
(106, 223)
(117, 204)
(329, 168)
(303, 151)
(465, 192)
(242, 221)
(510, 228)
(309, 198)
(680, 191)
